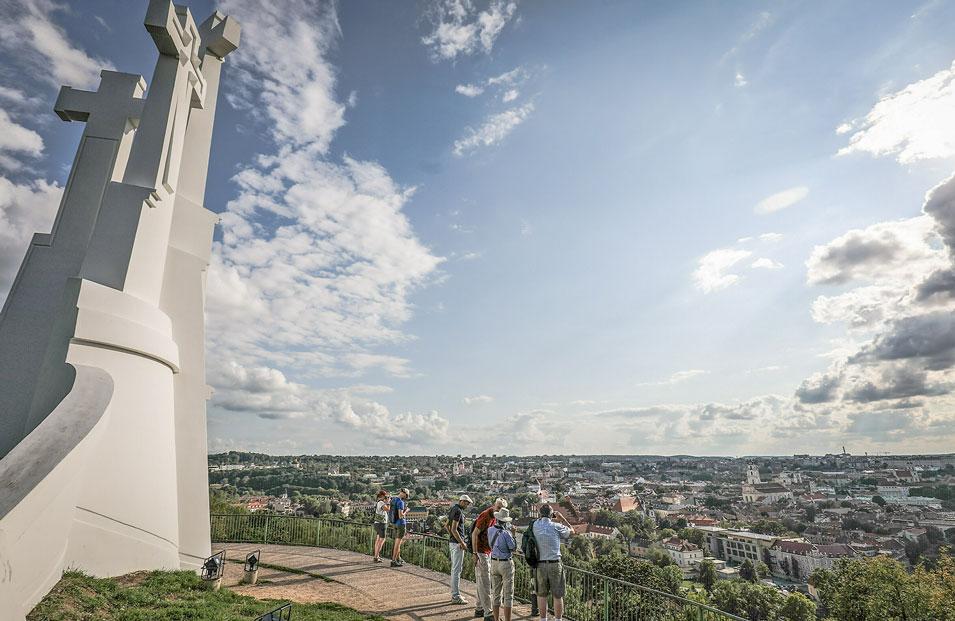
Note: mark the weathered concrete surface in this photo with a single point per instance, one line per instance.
(408, 593)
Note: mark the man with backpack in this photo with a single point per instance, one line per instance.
(458, 544)
(531, 555)
(399, 507)
(481, 548)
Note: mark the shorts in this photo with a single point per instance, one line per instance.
(550, 579)
(380, 529)
(399, 530)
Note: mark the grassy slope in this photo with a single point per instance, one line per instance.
(165, 596)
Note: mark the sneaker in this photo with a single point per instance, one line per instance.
(378, 559)
(489, 618)
(459, 600)
(478, 613)
(397, 563)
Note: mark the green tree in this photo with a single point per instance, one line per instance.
(879, 589)
(747, 571)
(879, 500)
(606, 518)
(797, 607)
(762, 570)
(708, 576)
(752, 601)
(659, 557)
(672, 577)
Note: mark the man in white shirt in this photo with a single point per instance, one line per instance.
(550, 570)
(381, 522)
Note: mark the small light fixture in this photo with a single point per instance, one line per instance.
(252, 560)
(213, 566)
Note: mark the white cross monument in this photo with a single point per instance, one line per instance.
(102, 360)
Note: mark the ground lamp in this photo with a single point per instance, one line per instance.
(252, 567)
(282, 613)
(212, 569)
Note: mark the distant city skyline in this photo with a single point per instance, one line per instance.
(460, 227)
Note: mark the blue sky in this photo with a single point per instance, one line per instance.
(553, 227)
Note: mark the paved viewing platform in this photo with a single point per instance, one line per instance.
(406, 593)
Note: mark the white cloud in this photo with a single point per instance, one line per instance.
(477, 399)
(781, 200)
(885, 253)
(510, 95)
(16, 140)
(766, 264)
(469, 90)
(25, 208)
(495, 129)
(282, 65)
(740, 80)
(317, 260)
(912, 124)
(677, 378)
(460, 29)
(27, 30)
(711, 274)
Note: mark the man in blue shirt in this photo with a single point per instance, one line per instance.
(398, 510)
(502, 564)
(550, 571)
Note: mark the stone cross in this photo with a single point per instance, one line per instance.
(110, 111)
(177, 84)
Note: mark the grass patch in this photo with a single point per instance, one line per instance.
(165, 596)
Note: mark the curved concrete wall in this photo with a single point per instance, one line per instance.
(41, 482)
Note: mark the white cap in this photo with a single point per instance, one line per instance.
(466, 498)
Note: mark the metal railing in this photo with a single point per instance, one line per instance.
(588, 597)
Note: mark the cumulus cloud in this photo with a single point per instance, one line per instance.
(282, 65)
(781, 200)
(317, 260)
(894, 251)
(494, 129)
(896, 377)
(912, 124)
(713, 274)
(477, 399)
(27, 30)
(460, 28)
(883, 261)
(17, 141)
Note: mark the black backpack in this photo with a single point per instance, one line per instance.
(529, 546)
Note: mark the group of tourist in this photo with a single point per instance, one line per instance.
(491, 542)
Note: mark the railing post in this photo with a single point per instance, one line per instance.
(268, 518)
(606, 600)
